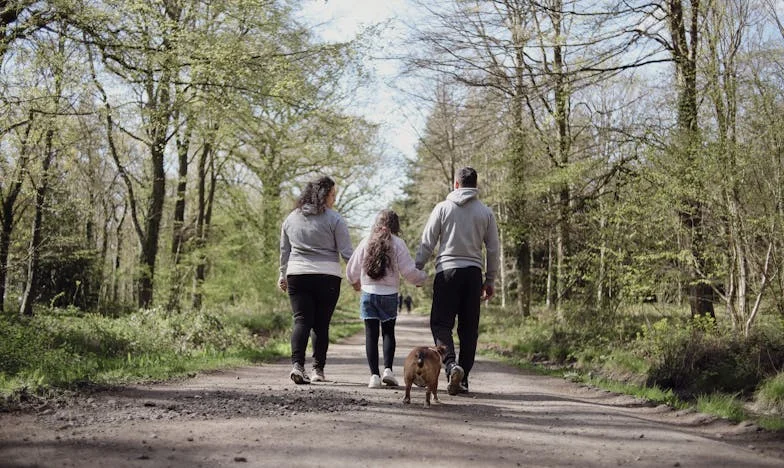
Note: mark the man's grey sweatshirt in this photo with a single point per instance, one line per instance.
(461, 225)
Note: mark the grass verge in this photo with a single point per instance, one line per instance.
(642, 364)
(68, 348)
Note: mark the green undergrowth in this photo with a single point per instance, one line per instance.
(660, 355)
(726, 406)
(69, 348)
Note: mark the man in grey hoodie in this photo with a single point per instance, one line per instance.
(461, 225)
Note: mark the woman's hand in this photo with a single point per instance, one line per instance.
(357, 286)
(283, 284)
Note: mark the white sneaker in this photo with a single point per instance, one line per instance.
(388, 378)
(297, 374)
(375, 381)
(317, 375)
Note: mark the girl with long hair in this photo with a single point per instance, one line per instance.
(375, 268)
(313, 238)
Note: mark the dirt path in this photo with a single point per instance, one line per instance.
(257, 417)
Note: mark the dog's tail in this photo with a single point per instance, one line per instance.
(421, 358)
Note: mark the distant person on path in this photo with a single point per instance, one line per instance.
(313, 238)
(399, 303)
(375, 269)
(408, 303)
(460, 226)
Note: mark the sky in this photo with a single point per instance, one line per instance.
(380, 101)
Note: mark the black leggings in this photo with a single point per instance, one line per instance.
(313, 299)
(371, 343)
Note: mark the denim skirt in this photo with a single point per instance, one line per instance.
(381, 307)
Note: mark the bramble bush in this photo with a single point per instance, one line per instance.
(695, 356)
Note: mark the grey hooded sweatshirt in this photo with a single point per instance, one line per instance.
(312, 243)
(461, 225)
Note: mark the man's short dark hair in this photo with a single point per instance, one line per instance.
(466, 177)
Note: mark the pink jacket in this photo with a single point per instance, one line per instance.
(402, 264)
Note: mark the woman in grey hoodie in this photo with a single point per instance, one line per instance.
(313, 238)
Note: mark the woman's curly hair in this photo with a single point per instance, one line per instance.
(316, 193)
(378, 253)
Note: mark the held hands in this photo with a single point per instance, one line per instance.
(357, 286)
(488, 292)
(283, 284)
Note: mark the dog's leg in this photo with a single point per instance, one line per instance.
(407, 398)
(435, 392)
(427, 397)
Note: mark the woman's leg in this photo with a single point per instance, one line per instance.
(303, 308)
(371, 345)
(388, 332)
(326, 289)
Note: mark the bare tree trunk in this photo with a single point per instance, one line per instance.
(684, 52)
(30, 291)
(550, 290)
(152, 228)
(201, 225)
(523, 263)
(519, 168)
(9, 205)
(561, 97)
(178, 229)
(601, 275)
(118, 256)
(502, 266)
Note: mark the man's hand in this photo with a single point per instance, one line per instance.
(488, 292)
(283, 284)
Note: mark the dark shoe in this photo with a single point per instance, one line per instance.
(464, 386)
(456, 375)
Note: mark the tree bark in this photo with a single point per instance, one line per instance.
(684, 53)
(523, 263)
(178, 228)
(201, 224)
(30, 291)
(8, 206)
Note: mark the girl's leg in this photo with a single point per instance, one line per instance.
(371, 345)
(388, 333)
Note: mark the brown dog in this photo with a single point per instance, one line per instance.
(423, 367)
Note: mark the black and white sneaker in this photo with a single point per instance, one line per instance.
(456, 375)
(297, 375)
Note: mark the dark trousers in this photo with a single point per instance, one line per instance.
(313, 299)
(371, 343)
(457, 295)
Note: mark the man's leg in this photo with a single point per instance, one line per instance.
(442, 314)
(468, 316)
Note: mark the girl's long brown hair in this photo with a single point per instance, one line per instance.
(378, 253)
